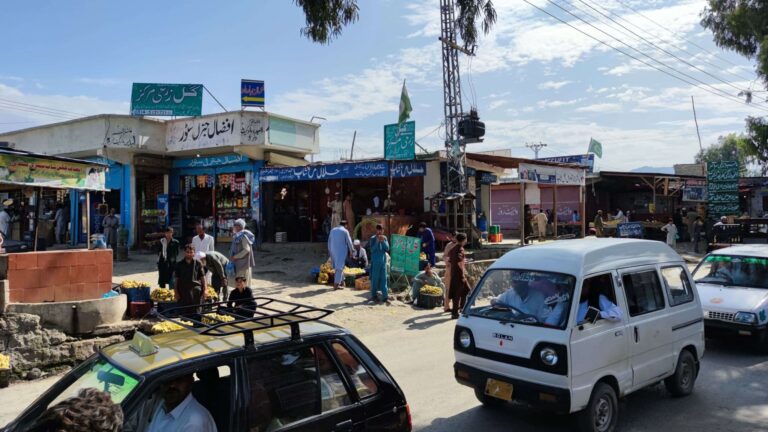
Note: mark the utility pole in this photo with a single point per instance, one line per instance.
(454, 146)
(536, 147)
(695, 120)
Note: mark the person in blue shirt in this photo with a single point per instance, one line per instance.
(608, 310)
(379, 247)
(427, 242)
(575, 216)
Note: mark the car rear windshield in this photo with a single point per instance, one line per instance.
(101, 375)
(733, 270)
(524, 296)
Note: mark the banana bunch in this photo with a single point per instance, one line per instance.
(5, 361)
(162, 295)
(422, 256)
(431, 290)
(211, 318)
(353, 271)
(322, 278)
(130, 284)
(211, 293)
(168, 326)
(327, 268)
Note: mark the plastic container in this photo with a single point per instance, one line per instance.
(164, 306)
(430, 301)
(495, 229)
(137, 294)
(139, 309)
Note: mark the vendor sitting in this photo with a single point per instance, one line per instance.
(426, 277)
(241, 298)
(359, 258)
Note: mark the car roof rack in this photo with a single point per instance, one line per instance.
(268, 313)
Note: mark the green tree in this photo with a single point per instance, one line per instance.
(325, 19)
(742, 26)
(729, 147)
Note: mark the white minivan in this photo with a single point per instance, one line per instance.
(637, 320)
(733, 286)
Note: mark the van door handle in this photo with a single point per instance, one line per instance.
(636, 335)
(619, 333)
(344, 426)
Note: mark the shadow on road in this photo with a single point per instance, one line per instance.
(426, 321)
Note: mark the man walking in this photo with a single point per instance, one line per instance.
(190, 283)
(166, 258)
(698, 227)
(110, 224)
(216, 263)
(201, 241)
(241, 251)
(339, 248)
(541, 224)
(459, 286)
(447, 274)
(427, 242)
(599, 223)
(337, 208)
(379, 247)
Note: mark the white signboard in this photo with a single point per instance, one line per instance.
(221, 130)
(545, 174)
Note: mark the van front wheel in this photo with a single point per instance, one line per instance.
(681, 382)
(602, 412)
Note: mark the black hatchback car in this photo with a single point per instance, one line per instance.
(277, 368)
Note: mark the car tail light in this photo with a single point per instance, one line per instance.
(408, 413)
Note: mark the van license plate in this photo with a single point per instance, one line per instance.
(498, 389)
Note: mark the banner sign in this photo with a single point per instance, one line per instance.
(630, 229)
(344, 170)
(487, 178)
(251, 93)
(405, 253)
(400, 141)
(210, 161)
(31, 171)
(585, 160)
(723, 188)
(551, 175)
(167, 99)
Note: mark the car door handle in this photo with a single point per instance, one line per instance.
(344, 426)
(619, 333)
(636, 335)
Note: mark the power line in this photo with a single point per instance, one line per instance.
(40, 107)
(34, 111)
(657, 46)
(716, 91)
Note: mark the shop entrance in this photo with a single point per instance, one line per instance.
(216, 201)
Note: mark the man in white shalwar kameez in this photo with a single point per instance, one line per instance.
(339, 247)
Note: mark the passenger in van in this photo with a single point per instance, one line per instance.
(180, 411)
(608, 310)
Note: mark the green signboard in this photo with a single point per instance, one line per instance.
(400, 141)
(167, 99)
(405, 253)
(723, 188)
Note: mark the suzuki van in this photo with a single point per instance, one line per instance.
(574, 325)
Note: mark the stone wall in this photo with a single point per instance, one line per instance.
(36, 277)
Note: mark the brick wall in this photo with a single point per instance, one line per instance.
(36, 277)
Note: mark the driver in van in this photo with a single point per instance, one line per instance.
(522, 298)
(180, 411)
(608, 310)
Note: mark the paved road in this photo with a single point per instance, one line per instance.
(731, 393)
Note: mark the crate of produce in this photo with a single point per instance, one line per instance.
(495, 229)
(5, 370)
(363, 283)
(429, 301)
(135, 291)
(139, 309)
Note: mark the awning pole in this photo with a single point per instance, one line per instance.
(88, 218)
(38, 195)
(522, 214)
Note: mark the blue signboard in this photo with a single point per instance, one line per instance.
(252, 93)
(343, 170)
(210, 161)
(487, 178)
(586, 160)
(400, 141)
(630, 229)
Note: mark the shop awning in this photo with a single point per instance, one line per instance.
(343, 170)
(23, 168)
(513, 162)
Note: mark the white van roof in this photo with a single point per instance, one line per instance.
(750, 250)
(586, 256)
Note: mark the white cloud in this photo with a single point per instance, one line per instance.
(553, 85)
(600, 108)
(497, 104)
(105, 82)
(557, 103)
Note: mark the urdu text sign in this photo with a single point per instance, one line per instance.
(400, 141)
(167, 99)
(252, 93)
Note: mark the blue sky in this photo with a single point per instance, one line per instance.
(534, 79)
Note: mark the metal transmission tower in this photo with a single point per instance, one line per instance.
(454, 146)
(536, 147)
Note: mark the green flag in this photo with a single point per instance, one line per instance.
(405, 106)
(595, 147)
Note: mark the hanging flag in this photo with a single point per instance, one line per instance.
(595, 147)
(405, 106)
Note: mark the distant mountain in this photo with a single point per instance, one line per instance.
(656, 170)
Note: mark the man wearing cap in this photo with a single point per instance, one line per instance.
(5, 218)
(339, 248)
(241, 250)
(379, 248)
(337, 208)
(359, 258)
(217, 264)
(427, 242)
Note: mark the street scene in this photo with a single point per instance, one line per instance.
(434, 215)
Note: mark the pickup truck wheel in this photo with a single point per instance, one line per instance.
(488, 401)
(602, 412)
(682, 381)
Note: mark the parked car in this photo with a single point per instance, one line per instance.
(283, 370)
(637, 321)
(733, 285)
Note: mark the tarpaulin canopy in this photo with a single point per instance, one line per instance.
(23, 168)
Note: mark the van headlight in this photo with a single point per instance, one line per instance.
(549, 356)
(745, 318)
(465, 339)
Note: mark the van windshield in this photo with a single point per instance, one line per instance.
(733, 270)
(524, 296)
